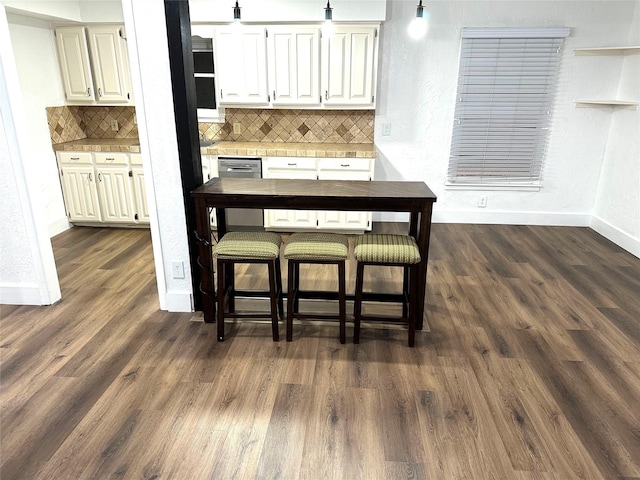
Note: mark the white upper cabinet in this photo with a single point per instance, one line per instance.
(94, 71)
(293, 55)
(348, 66)
(110, 68)
(241, 60)
(75, 67)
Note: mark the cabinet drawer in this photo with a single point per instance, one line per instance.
(121, 159)
(344, 164)
(136, 159)
(291, 163)
(75, 158)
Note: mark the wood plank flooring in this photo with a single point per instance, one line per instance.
(528, 368)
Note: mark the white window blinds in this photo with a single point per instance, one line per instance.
(506, 85)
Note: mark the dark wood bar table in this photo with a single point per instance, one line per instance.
(345, 195)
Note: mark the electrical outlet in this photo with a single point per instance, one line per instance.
(177, 269)
(482, 201)
(386, 129)
(114, 125)
(237, 128)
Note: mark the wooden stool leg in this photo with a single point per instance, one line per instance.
(296, 299)
(413, 303)
(273, 295)
(342, 300)
(405, 290)
(357, 304)
(291, 294)
(221, 293)
(279, 286)
(230, 279)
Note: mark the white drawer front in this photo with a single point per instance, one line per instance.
(344, 164)
(136, 158)
(75, 158)
(292, 163)
(121, 159)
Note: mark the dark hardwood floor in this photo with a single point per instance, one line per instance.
(528, 368)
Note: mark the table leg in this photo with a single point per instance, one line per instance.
(423, 245)
(205, 260)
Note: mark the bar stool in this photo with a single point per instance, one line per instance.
(315, 248)
(248, 247)
(390, 250)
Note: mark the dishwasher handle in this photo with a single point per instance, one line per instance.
(245, 168)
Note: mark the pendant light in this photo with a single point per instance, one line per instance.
(418, 26)
(327, 28)
(236, 13)
(328, 12)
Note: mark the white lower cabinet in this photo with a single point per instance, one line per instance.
(318, 169)
(101, 188)
(80, 193)
(139, 189)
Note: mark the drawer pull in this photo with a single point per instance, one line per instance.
(74, 158)
(110, 159)
(89, 92)
(292, 164)
(345, 165)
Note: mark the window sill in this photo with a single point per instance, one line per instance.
(486, 187)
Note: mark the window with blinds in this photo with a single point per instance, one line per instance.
(506, 86)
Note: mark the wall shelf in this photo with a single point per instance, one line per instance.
(630, 50)
(606, 103)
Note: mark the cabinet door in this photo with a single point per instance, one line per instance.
(80, 194)
(340, 220)
(348, 66)
(293, 63)
(140, 195)
(73, 55)
(241, 60)
(287, 219)
(115, 193)
(109, 67)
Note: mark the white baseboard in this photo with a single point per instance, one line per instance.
(513, 218)
(20, 294)
(58, 226)
(617, 236)
(179, 302)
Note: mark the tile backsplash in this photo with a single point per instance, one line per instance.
(70, 123)
(295, 126)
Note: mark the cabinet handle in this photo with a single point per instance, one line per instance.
(111, 159)
(326, 94)
(90, 177)
(100, 177)
(274, 95)
(220, 93)
(292, 164)
(74, 158)
(99, 92)
(345, 165)
(88, 91)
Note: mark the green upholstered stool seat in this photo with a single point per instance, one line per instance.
(249, 245)
(387, 248)
(394, 250)
(252, 248)
(317, 246)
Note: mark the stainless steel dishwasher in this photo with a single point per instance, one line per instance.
(242, 167)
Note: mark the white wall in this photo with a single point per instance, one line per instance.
(417, 87)
(150, 73)
(617, 207)
(286, 10)
(27, 268)
(39, 75)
